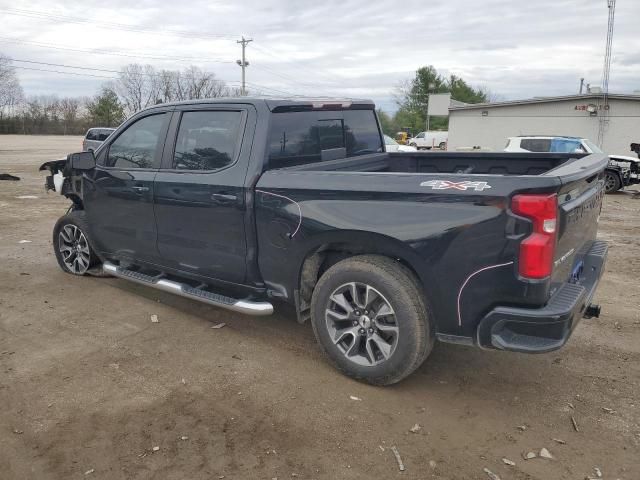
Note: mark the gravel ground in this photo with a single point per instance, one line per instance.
(89, 386)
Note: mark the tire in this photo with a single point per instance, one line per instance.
(71, 244)
(413, 144)
(442, 145)
(611, 182)
(395, 342)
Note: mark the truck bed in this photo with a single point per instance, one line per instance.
(486, 163)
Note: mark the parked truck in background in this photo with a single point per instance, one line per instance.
(242, 203)
(430, 140)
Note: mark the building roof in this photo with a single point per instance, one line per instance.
(528, 101)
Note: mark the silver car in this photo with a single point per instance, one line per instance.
(94, 138)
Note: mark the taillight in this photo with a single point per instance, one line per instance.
(537, 250)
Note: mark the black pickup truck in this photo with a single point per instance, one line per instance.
(243, 202)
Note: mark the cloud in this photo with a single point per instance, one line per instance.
(514, 48)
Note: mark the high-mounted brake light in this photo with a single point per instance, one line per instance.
(329, 105)
(537, 250)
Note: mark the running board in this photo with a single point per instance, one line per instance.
(243, 306)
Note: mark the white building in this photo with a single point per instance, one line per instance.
(488, 125)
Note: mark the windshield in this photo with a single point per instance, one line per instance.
(389, 141)
(592, 146)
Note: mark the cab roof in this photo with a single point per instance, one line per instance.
(276, 104)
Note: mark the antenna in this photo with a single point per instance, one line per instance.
(604, 116)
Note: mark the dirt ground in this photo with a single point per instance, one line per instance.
(89, 385)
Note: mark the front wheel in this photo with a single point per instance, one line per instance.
(611, 182)
(442, 145)
(370, 318)
(413, 144)
(71, 244)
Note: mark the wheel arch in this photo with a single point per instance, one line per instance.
(617, 172)
(325, 252)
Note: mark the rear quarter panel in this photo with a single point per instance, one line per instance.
(443, 235)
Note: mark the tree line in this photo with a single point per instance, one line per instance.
(136, 87)
(140, 86)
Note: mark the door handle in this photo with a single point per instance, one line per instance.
(140, 189)
(223, 198)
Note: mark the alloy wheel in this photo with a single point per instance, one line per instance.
(362, 323)
(74, 248)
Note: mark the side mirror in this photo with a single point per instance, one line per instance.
(82, 161)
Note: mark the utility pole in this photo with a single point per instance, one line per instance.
(243, 63)
(581, 85)
(604, 116)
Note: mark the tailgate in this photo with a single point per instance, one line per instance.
(579, 205)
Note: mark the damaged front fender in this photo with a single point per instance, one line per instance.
(64, 179)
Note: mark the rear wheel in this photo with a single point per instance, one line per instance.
(71, 244)
(370, 318)
(611, 182)
(442, 145)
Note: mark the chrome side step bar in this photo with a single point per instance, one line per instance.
(243, 306)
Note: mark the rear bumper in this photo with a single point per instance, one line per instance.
(539, 330)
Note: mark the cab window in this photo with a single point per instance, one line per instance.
(137, 146)
(298, 138)
(207, 140)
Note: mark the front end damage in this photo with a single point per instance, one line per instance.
(64, 180)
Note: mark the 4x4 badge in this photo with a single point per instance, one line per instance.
(446, 185)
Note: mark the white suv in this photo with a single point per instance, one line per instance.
(621, 172)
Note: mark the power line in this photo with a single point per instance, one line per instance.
(262, 88)
(292, 80)
(80, 68)
(300, 66)
(276, 90)
(65, 73)
(182, 33)
(113, 26)
(113, 53)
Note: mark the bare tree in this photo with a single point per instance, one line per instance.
(141, 86)
(10, 90)
(137, 86)
(195, 83)
(69, 108)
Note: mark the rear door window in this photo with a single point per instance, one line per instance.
(298, 138)
(536, 144)
(207, 140)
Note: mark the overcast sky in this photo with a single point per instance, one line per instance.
(356, 48)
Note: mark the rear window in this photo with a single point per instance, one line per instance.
(536, 144)
(298, 138)
(98, 135)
